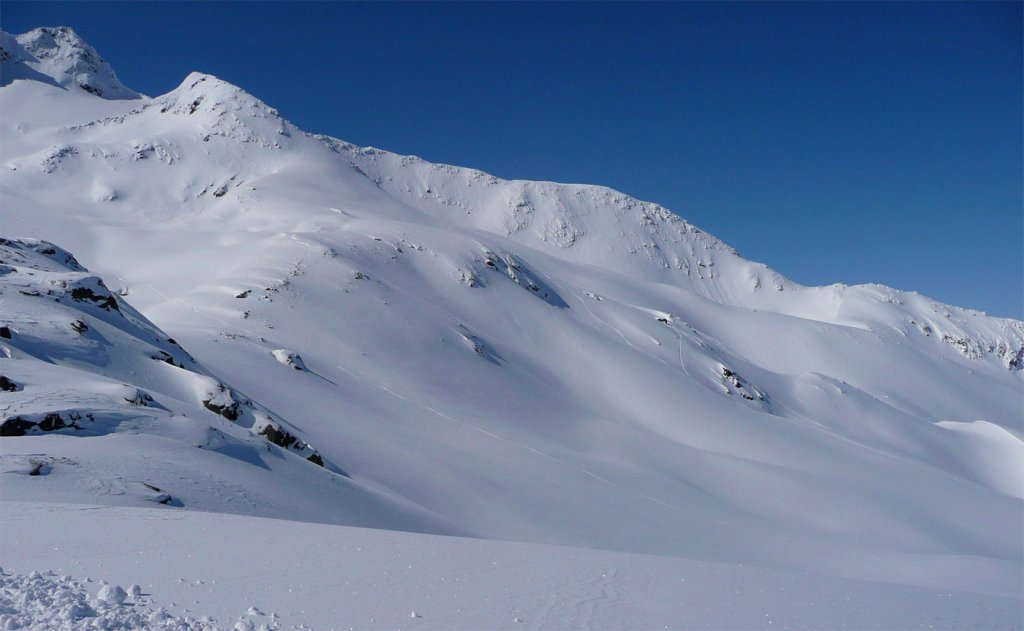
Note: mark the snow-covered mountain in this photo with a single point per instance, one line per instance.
(503, 359)
(60, 56)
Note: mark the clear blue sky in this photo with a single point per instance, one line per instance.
(836, 142)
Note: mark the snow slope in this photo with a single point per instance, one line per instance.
(516, 360)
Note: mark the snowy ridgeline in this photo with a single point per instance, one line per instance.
(286, 325)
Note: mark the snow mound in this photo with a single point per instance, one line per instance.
(39, 602)
(112, 595)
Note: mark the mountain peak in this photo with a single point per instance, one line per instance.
(224, 109)
(61, 55)
(210, 87)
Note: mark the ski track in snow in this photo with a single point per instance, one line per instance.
(227, 326)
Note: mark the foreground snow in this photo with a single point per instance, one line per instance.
(47, 603)
(264, 571)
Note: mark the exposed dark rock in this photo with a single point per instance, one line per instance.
(6, 385)
(280, 437)
(516, 271)
(1017, 361)
(38, 467)
(167, 358)
(5, 332)
(15, 426)
(140, 398)
(740, 385)
(161, 496)
(285, 439)
(230, 411)
(79, 326)
(19, 426)
(52, 421)
(107, 302)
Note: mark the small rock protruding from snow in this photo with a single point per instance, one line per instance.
(222, 401)
(288, 358)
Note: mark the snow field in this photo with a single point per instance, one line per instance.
(196, 564)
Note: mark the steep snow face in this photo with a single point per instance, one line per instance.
(530, 360)
(60, 55)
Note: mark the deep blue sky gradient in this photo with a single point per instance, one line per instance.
(836, 142)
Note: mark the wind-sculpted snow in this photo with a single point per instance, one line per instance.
(517, 360)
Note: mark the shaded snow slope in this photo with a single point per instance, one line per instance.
(100, 405)
(536, 361)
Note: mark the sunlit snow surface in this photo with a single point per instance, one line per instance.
(526, 361)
